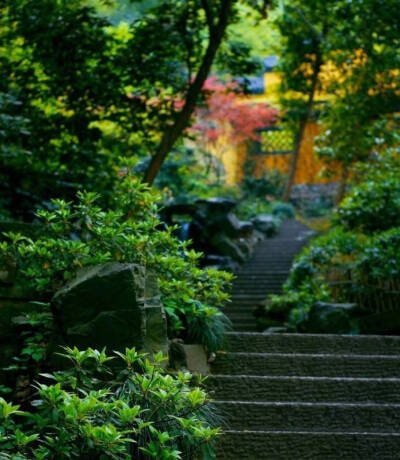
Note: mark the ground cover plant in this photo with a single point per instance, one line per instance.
(114, 406)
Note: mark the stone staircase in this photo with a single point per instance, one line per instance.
(264, 273)
(292, 396)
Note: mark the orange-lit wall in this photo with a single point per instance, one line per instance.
(309, 168)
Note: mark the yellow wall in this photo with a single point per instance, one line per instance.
(310, 167)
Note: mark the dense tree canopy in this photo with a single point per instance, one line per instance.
(349, 53)
(105, 90)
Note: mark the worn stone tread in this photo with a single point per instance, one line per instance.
(313, 365)
(306, 389)
(301, 396)
(303, 445)
(314, 343)
(308, 416)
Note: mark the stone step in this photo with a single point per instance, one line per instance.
(248, 297)
(246, 302)
(286, 445)
(269, 263)
(304, 389)
(266, 273)
(256, 270)
(245, 326)
(307, 365)
(239, 309)
(310, 416)
(261, 274)
(241, 316)
(258, 282)
(315, 343)
(262, 291)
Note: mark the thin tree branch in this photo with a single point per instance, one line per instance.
(209, 15)
(182, 118)
(316, 32)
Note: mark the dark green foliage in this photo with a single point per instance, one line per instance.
(283, 210)
(380, 259)
(90, 89)
(270, 184)
(103, 91)
(118, 406)
(374, 205)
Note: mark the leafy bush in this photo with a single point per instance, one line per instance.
(250, 207)
(332, 250)
(380, 258)
(82, 234)
(117, 407)
(292, 308)
(283, 210)
(270, 184)
(374, 204)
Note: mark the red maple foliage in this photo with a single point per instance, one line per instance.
(226, 112)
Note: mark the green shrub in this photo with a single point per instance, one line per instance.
(374, 204)
(332, 250)
(110, 407)
(82, 234)
(380, 258)
(270, 184)
(291, 309)
(283, 210)
(251, 207)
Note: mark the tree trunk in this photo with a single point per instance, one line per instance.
(342, 185)
(303, 123)
(172, 134)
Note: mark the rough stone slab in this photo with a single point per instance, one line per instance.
(304, 389)
(263, 445)
(330, 417)
(196, 359)
(308, 365)
(113, 305)
(315, 343)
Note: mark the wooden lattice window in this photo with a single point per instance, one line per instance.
(276, 140)
(273, 141)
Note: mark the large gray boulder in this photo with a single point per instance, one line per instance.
(227, 247)
(113, 305)
(334, 318)
(266, 224)
(215, 206)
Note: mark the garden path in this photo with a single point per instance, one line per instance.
(264, 273)
(292, 396)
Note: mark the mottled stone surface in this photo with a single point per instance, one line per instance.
(196, 359)
(310, 416)
(265, 224)
(112, 305)
(304, 389)
(314, 343)
(308, 446)
(307, 365)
